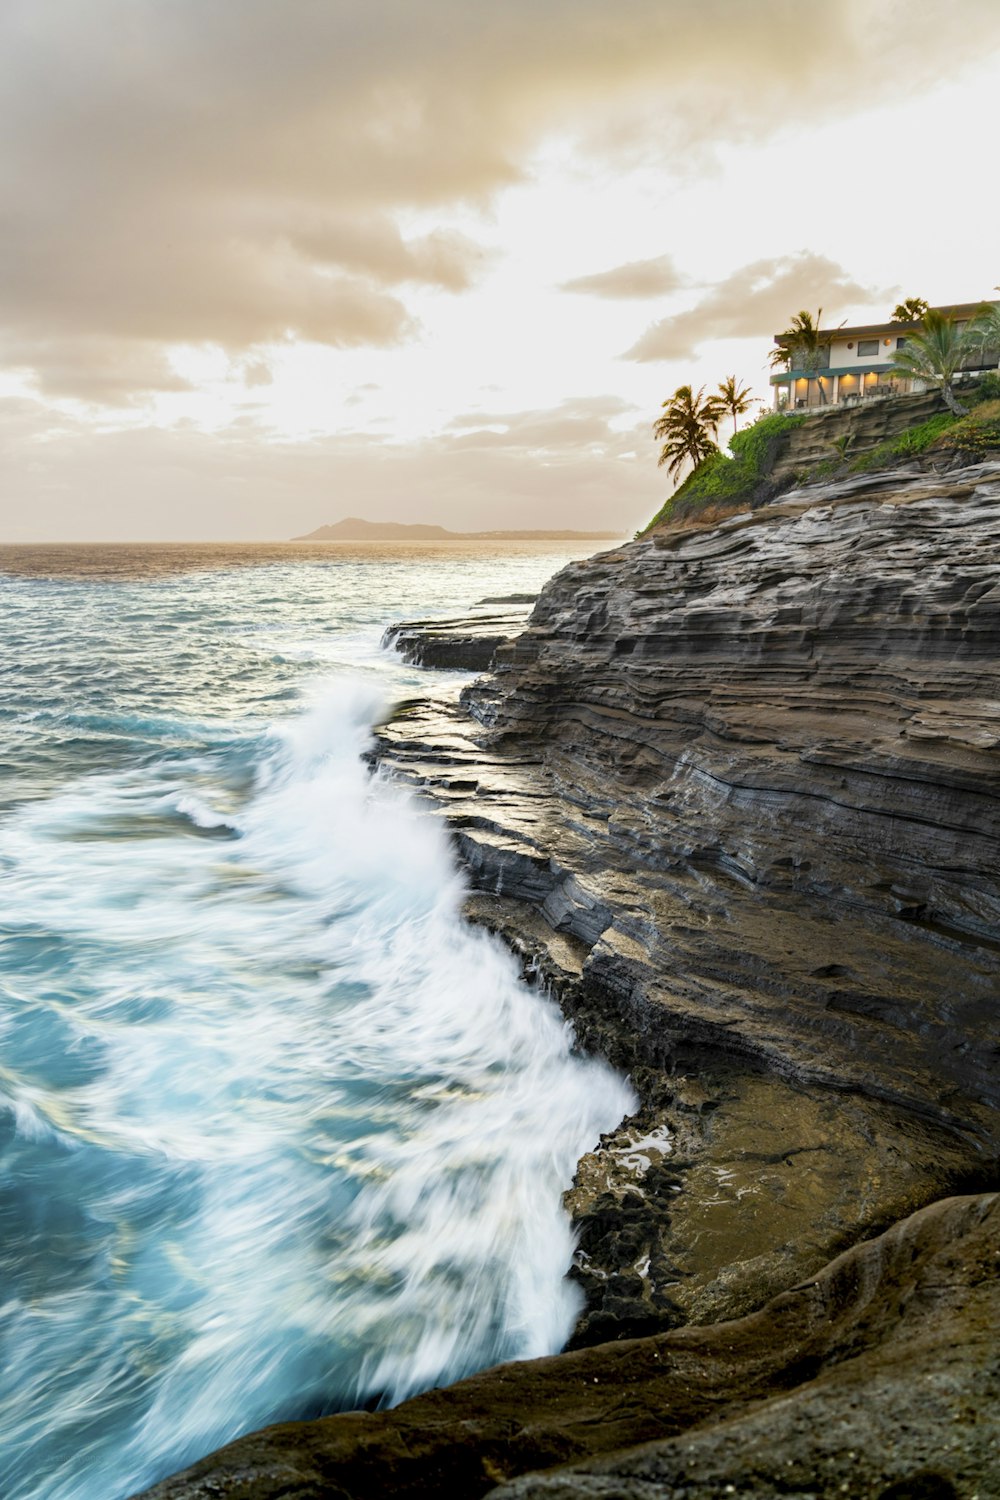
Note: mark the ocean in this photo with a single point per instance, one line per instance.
(279, 1133)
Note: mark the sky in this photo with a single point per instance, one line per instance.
(269, 263)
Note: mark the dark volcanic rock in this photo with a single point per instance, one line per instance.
(736, 792)
(881, 1369)
(466, 644)
(856, 429)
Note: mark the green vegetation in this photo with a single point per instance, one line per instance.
(910, 310)
(935, 355)
(987, 325)
(905, 445)
(976, 436)
(735, 400)
(687, 429)
(724, 482)
(803, 347)
(973, 435)
(989, 386)
(719, 484)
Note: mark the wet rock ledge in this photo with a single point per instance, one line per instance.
(870, 1380)
(735, 793)
(466, 644)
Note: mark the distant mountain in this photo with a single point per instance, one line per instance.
(352, 529)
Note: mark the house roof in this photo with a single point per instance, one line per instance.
(957, 310)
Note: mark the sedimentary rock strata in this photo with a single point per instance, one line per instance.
(736, 792)
(464, 644)
(868, 1380)
(855, 430)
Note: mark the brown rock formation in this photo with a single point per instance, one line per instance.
(736, 791)
(869, 1376)
(859, 429)
(736, 794)
(467, 644)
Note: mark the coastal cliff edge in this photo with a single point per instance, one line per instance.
(733, 793)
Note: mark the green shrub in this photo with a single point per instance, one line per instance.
(905, 445)
(727, 482)
(974, 436)
(988, 388)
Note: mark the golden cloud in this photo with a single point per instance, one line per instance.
(756, 301)
(637, 278)
(561, 467)
(238, 171)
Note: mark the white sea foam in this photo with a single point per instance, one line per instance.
(320, 1127)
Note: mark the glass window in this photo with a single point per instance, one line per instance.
(867, 347)
(900, 342)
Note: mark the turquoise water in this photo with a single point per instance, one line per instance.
(278, 1133)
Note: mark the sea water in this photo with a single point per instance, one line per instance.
(279, 1134)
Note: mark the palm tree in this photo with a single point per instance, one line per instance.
(802, 346)
(987, 324)
(687, 429)
(910, 310)
(734, 400)
(935, 355)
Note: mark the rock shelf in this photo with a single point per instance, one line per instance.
(734, 793)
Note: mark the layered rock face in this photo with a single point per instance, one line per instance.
(784, 734)
(859, 428)
(467, 644)
(735, 793)
(866, 1381)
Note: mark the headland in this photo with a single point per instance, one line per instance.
(734, 793)
(352, 529)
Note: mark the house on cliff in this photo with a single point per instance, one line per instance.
(854, 364)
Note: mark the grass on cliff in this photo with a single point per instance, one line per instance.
(904, 445)
(722, 484)
(974, 437)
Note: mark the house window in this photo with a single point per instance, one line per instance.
(867, 347)
(900, 342)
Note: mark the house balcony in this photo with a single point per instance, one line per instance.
(840, 385)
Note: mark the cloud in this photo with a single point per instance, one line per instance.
(240, 173)
(103, 370)
(564, 467)
(756, 301)
(637, 278)
(570, 427)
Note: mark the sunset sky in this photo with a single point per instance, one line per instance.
(268, 263)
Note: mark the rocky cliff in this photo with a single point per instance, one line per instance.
(734, 792)
(865, 1381)
(850, 430)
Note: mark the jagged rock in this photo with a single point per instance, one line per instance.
(856, 429)
(879, 1370)
(891, 1392)
(750, 777)
(466, 644)
(734, 794)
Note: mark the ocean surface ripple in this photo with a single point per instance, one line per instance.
(279, 1134)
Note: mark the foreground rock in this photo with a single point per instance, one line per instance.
(737, 793)
(467, 644)
(876, 1379)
